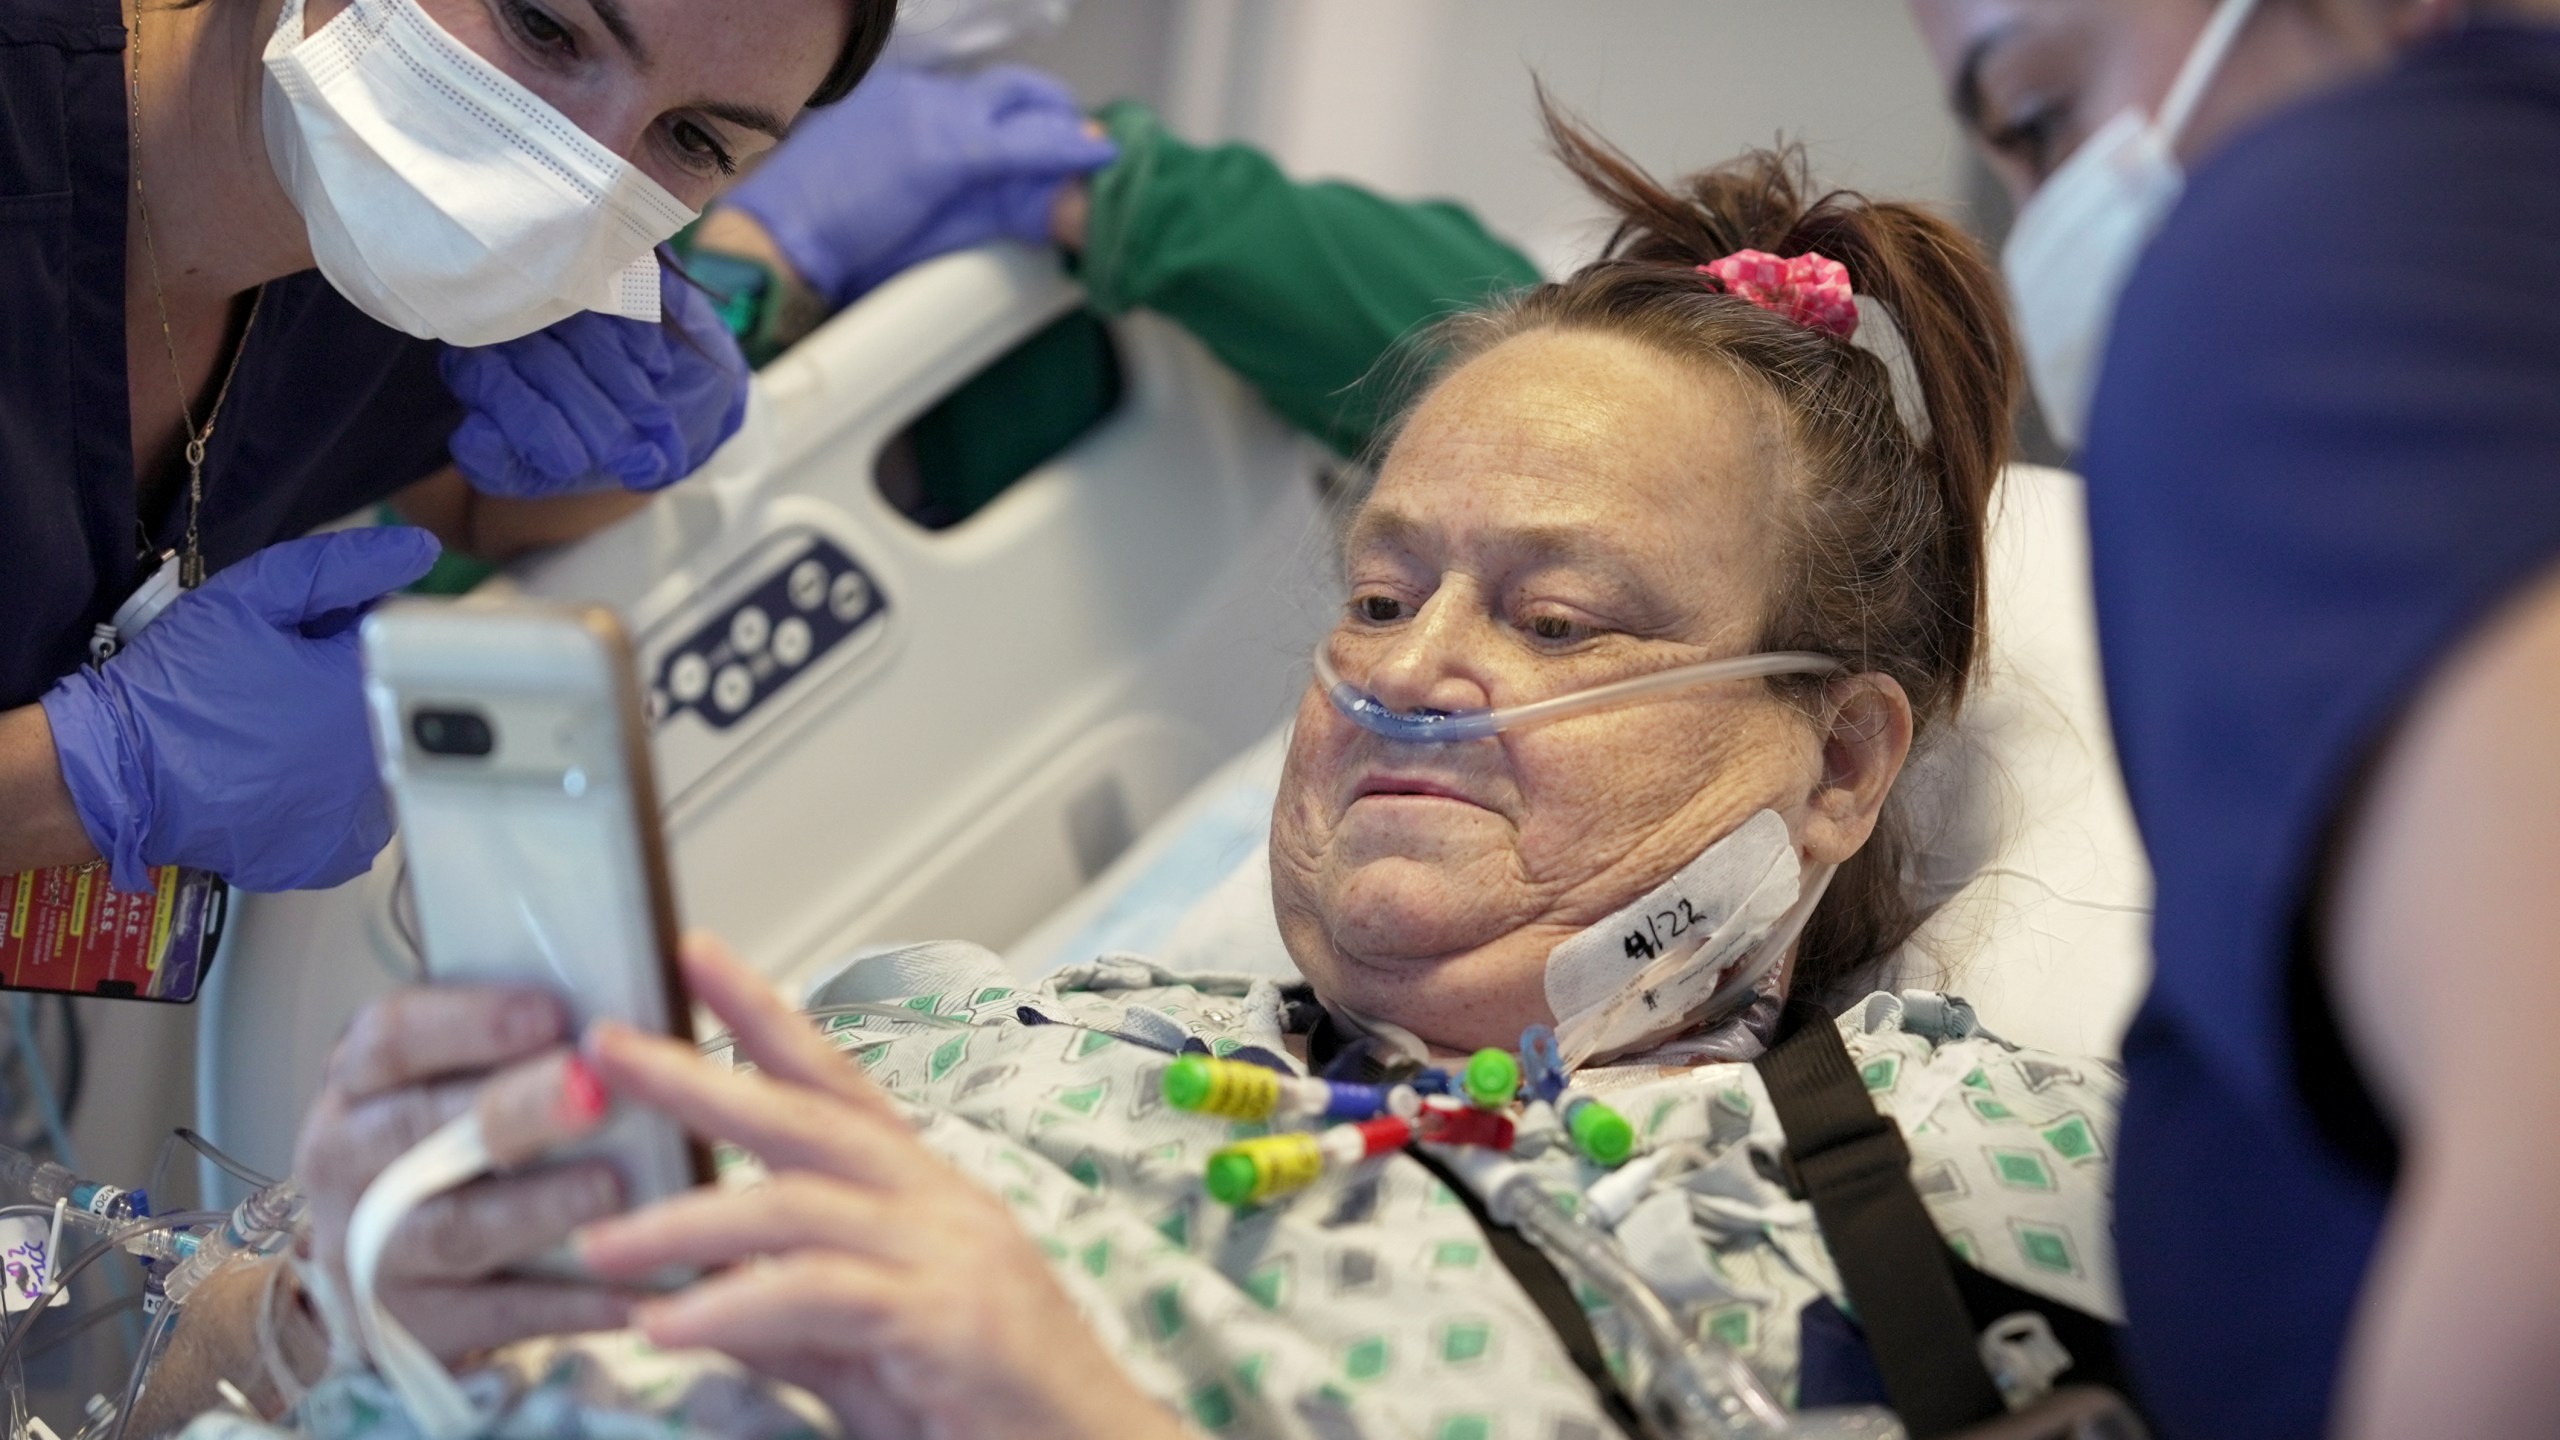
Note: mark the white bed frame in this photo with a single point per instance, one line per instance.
(1045, 679)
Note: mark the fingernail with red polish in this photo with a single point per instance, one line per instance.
(583, 1097)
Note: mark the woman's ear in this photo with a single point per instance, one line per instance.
(1868, 738)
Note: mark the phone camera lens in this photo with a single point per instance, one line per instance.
(452, 732)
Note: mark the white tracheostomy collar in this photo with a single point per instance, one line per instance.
(1692, 947)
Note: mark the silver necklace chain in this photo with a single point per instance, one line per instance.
(191, 558)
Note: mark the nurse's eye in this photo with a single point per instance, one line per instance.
(540, 30)
(699, 150)
(2031, 135)
(1377, 609)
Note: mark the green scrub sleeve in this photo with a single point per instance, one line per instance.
(1303, 289)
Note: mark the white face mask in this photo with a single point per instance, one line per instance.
(2074, 246)
(1686, 951)
(444, 199)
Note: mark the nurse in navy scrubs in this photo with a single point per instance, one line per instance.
(264, 263)
(2293, 268)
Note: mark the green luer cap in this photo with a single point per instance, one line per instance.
(1232, 1177)
(1492, 1078)
(1600, 1132)
(1186, 1082)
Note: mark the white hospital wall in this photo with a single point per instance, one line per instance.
(1433, 97)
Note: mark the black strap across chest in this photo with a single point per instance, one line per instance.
(1848, 1159)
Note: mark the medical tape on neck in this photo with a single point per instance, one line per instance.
(1733, 1023)
(1650, 969)
(448, 1158)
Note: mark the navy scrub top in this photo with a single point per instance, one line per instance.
(2325, 449)
(329, 411)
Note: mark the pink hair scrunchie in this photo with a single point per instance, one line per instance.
(1811, 289)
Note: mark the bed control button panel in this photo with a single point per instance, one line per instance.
(798, 604)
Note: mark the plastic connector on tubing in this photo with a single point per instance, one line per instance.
(1542, 1071)
(260, 1225)
(1491, 1079)
(1602, 1134)
(1466, 1125)
(1269, 1166)
(1345, 1100)
(1264, 1168)
(1238, 1090)
(41, 1182)
(1229, 1089)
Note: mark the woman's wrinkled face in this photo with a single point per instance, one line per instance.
(685, 91)
(1566, 510)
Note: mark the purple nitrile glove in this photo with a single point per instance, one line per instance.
(914, 164)
(231, 735)
(597, 401)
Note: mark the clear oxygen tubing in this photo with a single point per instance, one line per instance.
(1691, 1387)
(117, 1238)
(1449, 727)
(237, 1170)
(99, 1315)
(145, 1358)
(87, 1201)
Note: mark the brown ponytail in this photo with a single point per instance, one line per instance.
(1885, 548)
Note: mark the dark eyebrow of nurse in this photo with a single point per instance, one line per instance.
(1965, 96)
(617, 23)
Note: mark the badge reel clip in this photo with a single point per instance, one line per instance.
(139, 610)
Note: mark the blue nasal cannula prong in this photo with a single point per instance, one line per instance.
(1442, 727)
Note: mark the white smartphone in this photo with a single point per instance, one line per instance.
(512, 742)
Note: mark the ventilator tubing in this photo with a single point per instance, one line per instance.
(1443, 727)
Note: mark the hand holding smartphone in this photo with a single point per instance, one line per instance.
(514, 748)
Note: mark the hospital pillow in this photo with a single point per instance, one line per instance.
(2022, 831)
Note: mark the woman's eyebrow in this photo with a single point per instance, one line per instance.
(746, 117)
(617, 23)
(1373, 526)
(1576, 545)
(1965, 96)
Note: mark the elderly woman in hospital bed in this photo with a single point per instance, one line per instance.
(1753, 448)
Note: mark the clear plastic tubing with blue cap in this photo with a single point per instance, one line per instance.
(42, 1182)
(1447, 727)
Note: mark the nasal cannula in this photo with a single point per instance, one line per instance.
(1441, 727)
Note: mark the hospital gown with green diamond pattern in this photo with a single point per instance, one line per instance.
(1371, 1303)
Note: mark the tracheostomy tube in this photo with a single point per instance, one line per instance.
(1442, 727)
